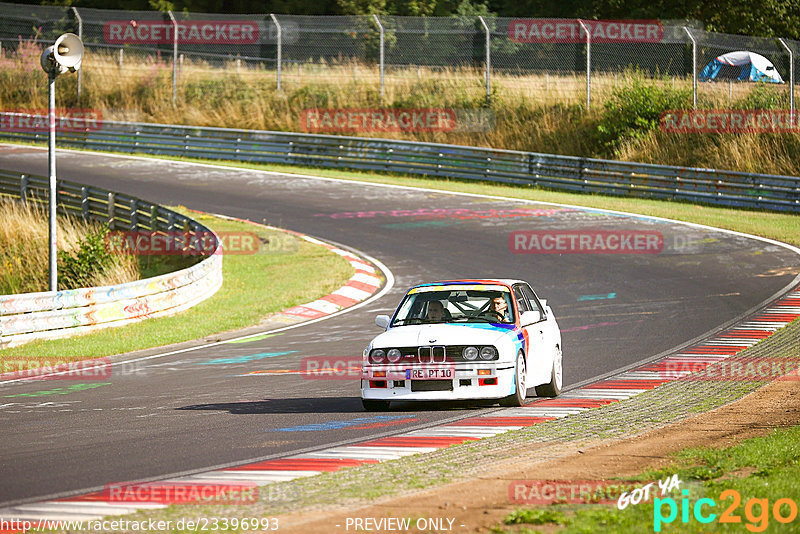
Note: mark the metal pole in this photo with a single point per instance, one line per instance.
(694, 66)
(80, 36)
(588, 64)
(51, 161)
(488, 59)
(791, 80)
(174, 56)
(380, 28)
(278, 26)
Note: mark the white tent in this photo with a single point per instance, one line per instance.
(753, 67)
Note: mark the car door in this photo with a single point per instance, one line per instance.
(538, 360)
(551, 335)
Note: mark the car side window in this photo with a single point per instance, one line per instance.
(522, 301)
(534, 303)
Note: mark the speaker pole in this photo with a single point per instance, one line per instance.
(51, 160)
(64, 56)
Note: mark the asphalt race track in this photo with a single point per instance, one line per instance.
(186, 411)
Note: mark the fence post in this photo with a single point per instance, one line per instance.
(85, 203)
(694, 66)
(588, 64)
(174, 55)
(134, 216)
(280, 42)
(791, 81)
(488, 59)
(80, 36)
(23, 187)
(112, 200)
(380, 28)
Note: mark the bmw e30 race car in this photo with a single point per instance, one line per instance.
(464, 339)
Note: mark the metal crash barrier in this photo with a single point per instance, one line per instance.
(586, 175)
(28, 316)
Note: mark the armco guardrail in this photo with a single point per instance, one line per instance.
(587, 175)
(53, 314)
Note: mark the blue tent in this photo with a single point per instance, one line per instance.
(752, 67)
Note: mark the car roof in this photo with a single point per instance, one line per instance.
(496, 281)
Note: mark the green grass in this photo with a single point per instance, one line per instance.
(254, 286)
(762, 468)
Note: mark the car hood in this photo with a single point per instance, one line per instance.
(444, 334)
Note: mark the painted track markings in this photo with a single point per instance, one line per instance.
(603, 392)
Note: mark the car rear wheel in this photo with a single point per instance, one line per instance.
(372, 405)
(553, 388)
(520, 391)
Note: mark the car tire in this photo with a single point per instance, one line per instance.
(372, 405)
(552, 388)
(517, 399)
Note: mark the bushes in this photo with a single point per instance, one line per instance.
(80, 267)
(83, 259)
(633, 110)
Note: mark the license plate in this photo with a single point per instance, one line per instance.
(429, 374)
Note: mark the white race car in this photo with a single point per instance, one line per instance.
(464, 339)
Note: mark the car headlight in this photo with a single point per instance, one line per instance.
(394, 355)
(488, 353)
(470, 353)
(377, 356)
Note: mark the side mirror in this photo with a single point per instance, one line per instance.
(530, 317)
(383, 321)
(546, 308)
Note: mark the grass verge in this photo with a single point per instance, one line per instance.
(254, 286)
(754, 482)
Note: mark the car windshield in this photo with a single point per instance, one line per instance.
(455, 304)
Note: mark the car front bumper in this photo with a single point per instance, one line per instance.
(470, 381)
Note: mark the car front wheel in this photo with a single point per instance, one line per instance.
(520, 392)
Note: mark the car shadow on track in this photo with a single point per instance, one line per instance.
(291, 405)
(328, 405)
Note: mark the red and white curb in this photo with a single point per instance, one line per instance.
(623, 386)
(362, 285)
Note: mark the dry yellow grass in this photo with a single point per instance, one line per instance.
(536, 112)
(24, 249)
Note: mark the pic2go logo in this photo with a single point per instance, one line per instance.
(756, 511)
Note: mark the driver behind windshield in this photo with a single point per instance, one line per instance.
(436, 312)
(498, 309)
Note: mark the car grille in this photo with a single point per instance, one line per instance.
(433, 354)
(431, 385)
